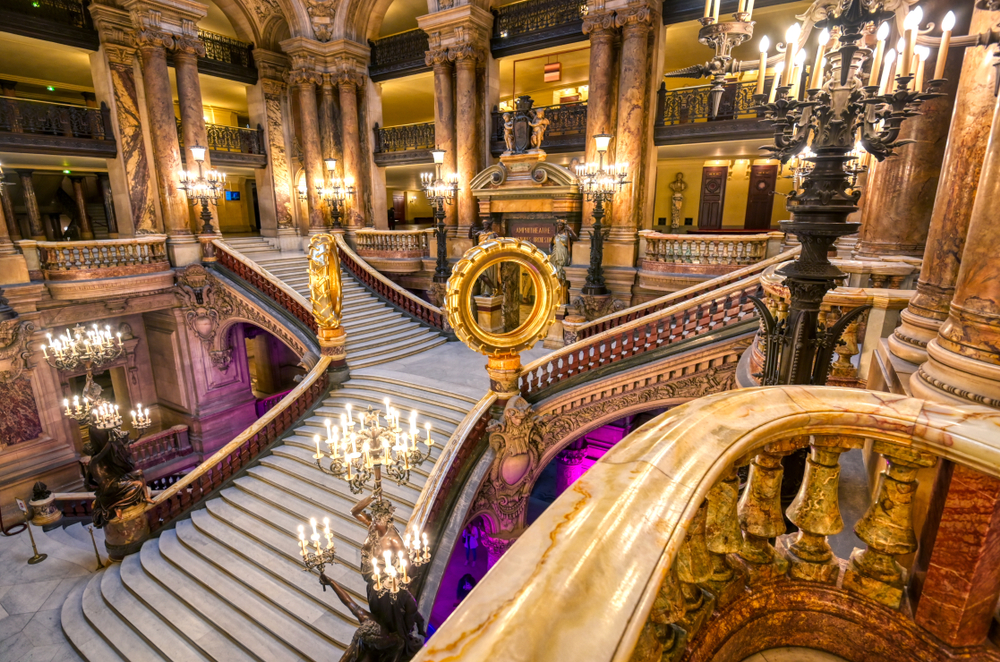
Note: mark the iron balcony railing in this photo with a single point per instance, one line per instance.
(54, 119)
(220, 48)
(692, 104)
(224, 138)
(522, 26)
(566, 131)
(73, 13)
(404, 137)
(398, 55)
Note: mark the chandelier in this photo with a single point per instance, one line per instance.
(723, 36)
(335, 192)
(439, 192)
(360, 457)
(203, 188)
(314, 554)
(83, 348)
(599, 183)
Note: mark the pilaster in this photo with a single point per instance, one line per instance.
(268, 105)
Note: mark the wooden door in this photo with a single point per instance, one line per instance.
(760, 199)
(713, 196)
(399, 207)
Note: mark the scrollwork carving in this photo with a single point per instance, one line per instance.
(15, 338)
(321, 13)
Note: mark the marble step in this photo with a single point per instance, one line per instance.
(373, 381)
(318, 626)
(115, 631)
(59, 535)
(431, 405)
(389, 333)
(388, 357)
(80, 532)
(84, 639)
(373, 322)
(185, 622)
(154, 631)
(211, 608)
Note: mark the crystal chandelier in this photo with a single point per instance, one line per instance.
(439, 192)
(203, 188)
(599, 183)
(360, 457)
(83, 348)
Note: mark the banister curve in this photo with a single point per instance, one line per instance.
(582, 579)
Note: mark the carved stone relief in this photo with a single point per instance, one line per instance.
(20, 421)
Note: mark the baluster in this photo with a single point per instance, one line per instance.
(816, 511)
(843, 371)
(723, 537)
(660, 640)
(887, 527)
(694, 566)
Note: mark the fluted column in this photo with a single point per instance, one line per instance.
(348, 85)
(86, 229)
(306, 82)
(963, 363)
(444, 118)
(600, 27)
(187, 50)
(633, 99)
(466, 59)
(31, 205)
(956, 195)
(901, 190)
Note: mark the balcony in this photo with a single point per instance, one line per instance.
(533, 24)
(566, 133)
(40, 127)
(62, 21)
(404, 144)
(233, 145)
(682, 115)
(225, 57)
(398, 55)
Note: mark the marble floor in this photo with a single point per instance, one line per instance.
(794, 655)
(31, 597)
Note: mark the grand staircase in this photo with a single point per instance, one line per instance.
(376, 333)
(227, 582)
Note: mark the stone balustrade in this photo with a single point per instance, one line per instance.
(649, 556)
(393, 243)
(160, 448)
(105, 258)
(702, 253)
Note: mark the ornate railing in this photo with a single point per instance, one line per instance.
(265, 405)
(515, 22)
(720, 252)
(55, 119)
(227, 50)
(273, 288)
(692, 104)
(211, 474)
(161, 447)
(105, 258)
(667, 494)
(67, 12)
(567, 125)
(388, 291)
(398, 54)
(404, 137)
(614, 320)
(392, 243)
(225, 138)
(712, 311)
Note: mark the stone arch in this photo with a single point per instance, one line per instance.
(266, 22)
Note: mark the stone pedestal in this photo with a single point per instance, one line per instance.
(489, 314)
(44, 511)
(13, 269)
(183, 250)
(126, 533)
(333, 343)
(556, 337)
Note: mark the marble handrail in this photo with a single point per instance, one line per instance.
(583, 578)
(388, 290)
(393, 243)
(613, 320)
(63, 260)
(705, 249)
(244, 448)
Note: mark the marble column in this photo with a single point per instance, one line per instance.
(633, 102)
(328, 119)
(181, 244)
(466, 59)
(6, 243)
(31, 205)
(348, 85)
(963, 363)
(109, 204)
(13, 267)
(956, 194)
(8, 212)
(309, 135)
(901, 190)
(187, 50)
(86, 229)
(444, 118)
(600, 27)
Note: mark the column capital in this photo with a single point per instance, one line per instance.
(117, 35)
(189, 45)
(638, 14)
(273, 88)
(468, 51)
(599, 22)
(437, 57)
(346, 74)
(271, 66)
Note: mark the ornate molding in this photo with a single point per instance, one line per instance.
(301, 76)
(639, 13)
(189, 45)
(321, 13)
(15, 338)
(437, 57)
(150, 33)
(599, 22)
(274, 87)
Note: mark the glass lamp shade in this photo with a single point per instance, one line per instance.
(331, 164)
(602, 140)
(198, 153)
(438, 155)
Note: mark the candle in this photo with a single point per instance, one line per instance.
(428, 428)
(749, 9)
(387, 410)
(922, 54)
(791, 40)
(800, 61)
(708, 8)
(817, 73)
(880, 36)
(350, 417)
(910, 26)
(318, 454)
(765, 43)
(947, 25)
(715, 10)
(779, 69)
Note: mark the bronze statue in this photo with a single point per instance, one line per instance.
(538, 123)
(508, 131)
(561, 248)
(112, 475)
(678, 186)
(386, 631)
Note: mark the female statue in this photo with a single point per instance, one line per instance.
(561, 248)
(112, 475)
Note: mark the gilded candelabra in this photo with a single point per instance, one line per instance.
(841, 107)
(335, 192)
(599, 182)
(439, 192)
(360, 457)
(203, 188)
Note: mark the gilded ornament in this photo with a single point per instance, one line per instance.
(325, 287)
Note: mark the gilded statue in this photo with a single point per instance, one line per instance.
(508, 131)
(678, 186)
(538, 123)
(325, 288)
(111, 474)
(386, 631)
